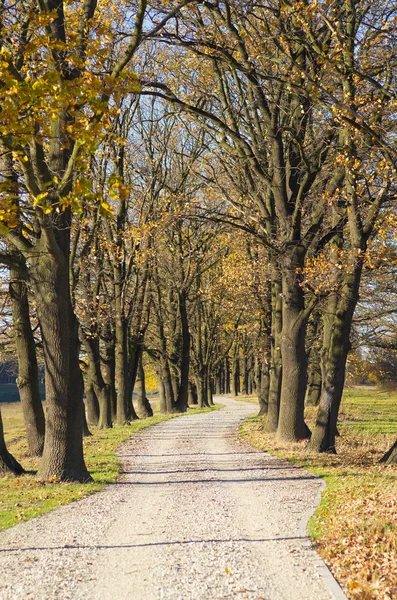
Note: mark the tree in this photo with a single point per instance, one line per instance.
(60, 67)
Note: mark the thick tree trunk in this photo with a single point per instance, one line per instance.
(182, 398)
(143, 404)
(63, 446)
(28, 374)
(8, 464)
(338, 319)
(291, 426)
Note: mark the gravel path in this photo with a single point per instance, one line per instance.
(197, 515)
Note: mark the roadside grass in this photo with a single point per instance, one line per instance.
(24, 497)
(355, 527)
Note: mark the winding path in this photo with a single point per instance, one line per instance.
(197, 515)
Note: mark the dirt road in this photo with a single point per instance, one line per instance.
(197, 515)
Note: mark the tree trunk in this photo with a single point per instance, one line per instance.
(235, 375)
(209, 389)
(96, 381)
(257, 375)
(144, 408)
(218, 382)
(28, 374)
(244, 374)
(108, 368)
(275, 358)
(338, 319)
(390, 457)
(182, 398)
(121, 368)
(263, 395)
(63, 446)
(292, 427)
(202, 388)
(192, 394)
(91, 402)
(162, 398)
(313, 391)
(8, 464)
(167, 385)
(135, 344)
(227, 376)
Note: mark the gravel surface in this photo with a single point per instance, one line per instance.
(197, 515)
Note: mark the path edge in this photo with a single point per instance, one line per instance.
(325, 573)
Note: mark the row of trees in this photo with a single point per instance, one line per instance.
(119, 215)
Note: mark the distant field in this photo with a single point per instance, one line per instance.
(369, 411)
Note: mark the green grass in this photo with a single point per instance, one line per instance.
(355, 526)
(24, 497)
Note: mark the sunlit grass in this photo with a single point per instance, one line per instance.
(22, 498)
(355, 526)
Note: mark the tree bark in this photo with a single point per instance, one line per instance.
(95, 379)
(390, 457)
(162, 398)
(91, 402)
(63, 446)
(108, 367)
(192, 394)
(165, 376)
(275, 358)
(244, 373)
(235, 375)
(8, 464)
(28, 374)
(121, 367)
(313, 390)
(218, 382)
(182, 398)
(338, 319)
(292, 427)
(263, 395)
(227, 376)
(144, 408)
(209, 390)
(202, 388)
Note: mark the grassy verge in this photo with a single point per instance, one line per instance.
(22, 498)
(355, 526)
